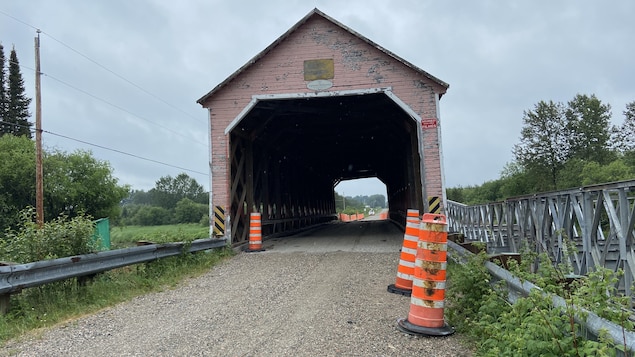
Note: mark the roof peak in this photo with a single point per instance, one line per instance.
(298, 24)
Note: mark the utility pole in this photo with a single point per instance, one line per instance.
(39, 172)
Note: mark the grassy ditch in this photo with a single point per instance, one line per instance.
(58, 302)
(127, 236)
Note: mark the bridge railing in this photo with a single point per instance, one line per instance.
(584, 228)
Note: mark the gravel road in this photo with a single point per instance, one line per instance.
(322, 293)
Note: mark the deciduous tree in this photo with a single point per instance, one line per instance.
(377, 200)
(17, 178)
(170, 190)
(593, 173)
(543, 146)
(514, 181)
(623, 136)
(188, 211)
(77, 182)
(73, 183)
(588, 129)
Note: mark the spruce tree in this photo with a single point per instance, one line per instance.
(4, 128)
(17, 112)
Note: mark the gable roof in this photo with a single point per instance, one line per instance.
(312, 13)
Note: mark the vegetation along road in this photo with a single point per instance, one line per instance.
(321, 293)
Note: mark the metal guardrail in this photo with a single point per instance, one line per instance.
(521, 288)
(14, 278)
(598, 220)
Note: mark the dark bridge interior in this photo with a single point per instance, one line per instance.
(287, 155)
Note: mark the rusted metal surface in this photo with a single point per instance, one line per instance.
(319, 69)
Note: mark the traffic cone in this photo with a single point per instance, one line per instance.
(405, 269)
(255, 233)
(427, 301)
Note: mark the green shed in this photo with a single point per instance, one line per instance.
(102, 233)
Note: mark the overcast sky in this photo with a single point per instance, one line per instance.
(125, 75)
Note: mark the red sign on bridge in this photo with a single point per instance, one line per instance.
(429, 123)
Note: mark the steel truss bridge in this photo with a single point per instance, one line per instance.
(583, 228)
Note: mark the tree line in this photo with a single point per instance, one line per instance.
(359, 203)
(562, 146)
(74, 183)
(179, 199)
(78, 184)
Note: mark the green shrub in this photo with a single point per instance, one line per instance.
(61, 237)
(532, 326)
(188, 211)
(152, 216)
(469, 284)
(128, 212)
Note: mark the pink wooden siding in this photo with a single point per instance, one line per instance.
(358, 65)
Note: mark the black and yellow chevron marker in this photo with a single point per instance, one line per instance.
(219, 221)
(434, 204)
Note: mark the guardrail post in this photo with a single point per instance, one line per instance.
(5, 300)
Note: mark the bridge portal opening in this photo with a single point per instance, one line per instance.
(288, 153)
(369, 194)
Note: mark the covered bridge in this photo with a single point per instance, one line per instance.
(321, 104)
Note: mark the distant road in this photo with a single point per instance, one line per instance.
(368, 235)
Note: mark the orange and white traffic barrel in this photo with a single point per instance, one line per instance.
(255, 233)
(405, 269)
(427, 301)
(412, 215)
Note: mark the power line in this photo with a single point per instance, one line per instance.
(121, 108)
(109, 103)
(123, 78)
(124, 153)
(18, 20)
(103, 67)
(105, 148)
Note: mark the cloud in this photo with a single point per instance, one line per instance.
(500, 58)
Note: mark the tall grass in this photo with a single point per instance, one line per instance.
(57, 302)
(126, 236)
